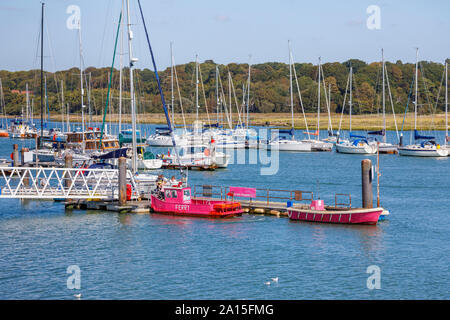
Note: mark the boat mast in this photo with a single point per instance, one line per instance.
(384, 100)
(62, 106)
(81, 81)
(120, 74)
(196, 93)
(318, 103)
(350, 100)
(171, 83)
(248, 88)
(290, 88)
(28, 102)
(42, 76)
(2, 101)
(416, 88)
(217, 94)
(446, 102)
(133, 101)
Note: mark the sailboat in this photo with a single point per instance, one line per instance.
(289, 143)
(357, 144)
(428, 147)
(384, 146)
(317, 144)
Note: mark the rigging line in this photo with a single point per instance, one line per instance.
(300, 95)
(204, 95)
(327, 98)
(343, 104)
(102, 43)
(234, 94)
(110, 79)
(439, 92)
(179, 93)
(427, 93)
(224, 101)
(392, 103)
(407, 102)
(160, 89)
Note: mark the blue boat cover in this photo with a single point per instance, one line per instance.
(417, 136)
(356, 136)
(290, 132)
(356, 141)
(115, 154)
(377, 133)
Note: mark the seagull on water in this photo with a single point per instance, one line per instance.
(267, 283)
(275, 279)
(78, 295)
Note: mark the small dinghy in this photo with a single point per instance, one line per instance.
(318, 213)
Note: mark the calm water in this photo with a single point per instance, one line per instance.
(127, 256)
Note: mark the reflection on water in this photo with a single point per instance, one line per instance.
(127, 256)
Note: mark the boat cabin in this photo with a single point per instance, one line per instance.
(177, 195)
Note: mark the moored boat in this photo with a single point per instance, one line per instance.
(317, 212)
(177, 200)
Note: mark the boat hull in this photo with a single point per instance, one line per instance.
(295, 146)
(351, 216)
(195, 208)
(422, 152)
(350, 149)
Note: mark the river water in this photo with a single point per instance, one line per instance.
(128, 256)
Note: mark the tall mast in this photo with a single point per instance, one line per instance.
(171, 83)
(446, 102)
(290, 86)
(384, 100)
(133, 101)
(350, 100)
(416, 86)
(28, 102)
(120, 74)
(248, 87)
(89, 100)
(196, 91)
(81, 79)
(42, 76)
(217, 93)
(318, 104)
(62, 106)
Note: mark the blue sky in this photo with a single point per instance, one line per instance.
(226, 31)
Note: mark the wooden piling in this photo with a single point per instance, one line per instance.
(122, 181)
(366, 176)
(68, 164)
(16, 155)
(26, 179)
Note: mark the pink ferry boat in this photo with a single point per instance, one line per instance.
(178, 201)
(318, 213)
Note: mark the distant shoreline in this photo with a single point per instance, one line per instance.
(359, 122)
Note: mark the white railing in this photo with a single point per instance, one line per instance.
(61, 183)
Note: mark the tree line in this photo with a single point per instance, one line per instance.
(269, 88)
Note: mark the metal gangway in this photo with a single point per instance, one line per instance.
(61, 183)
